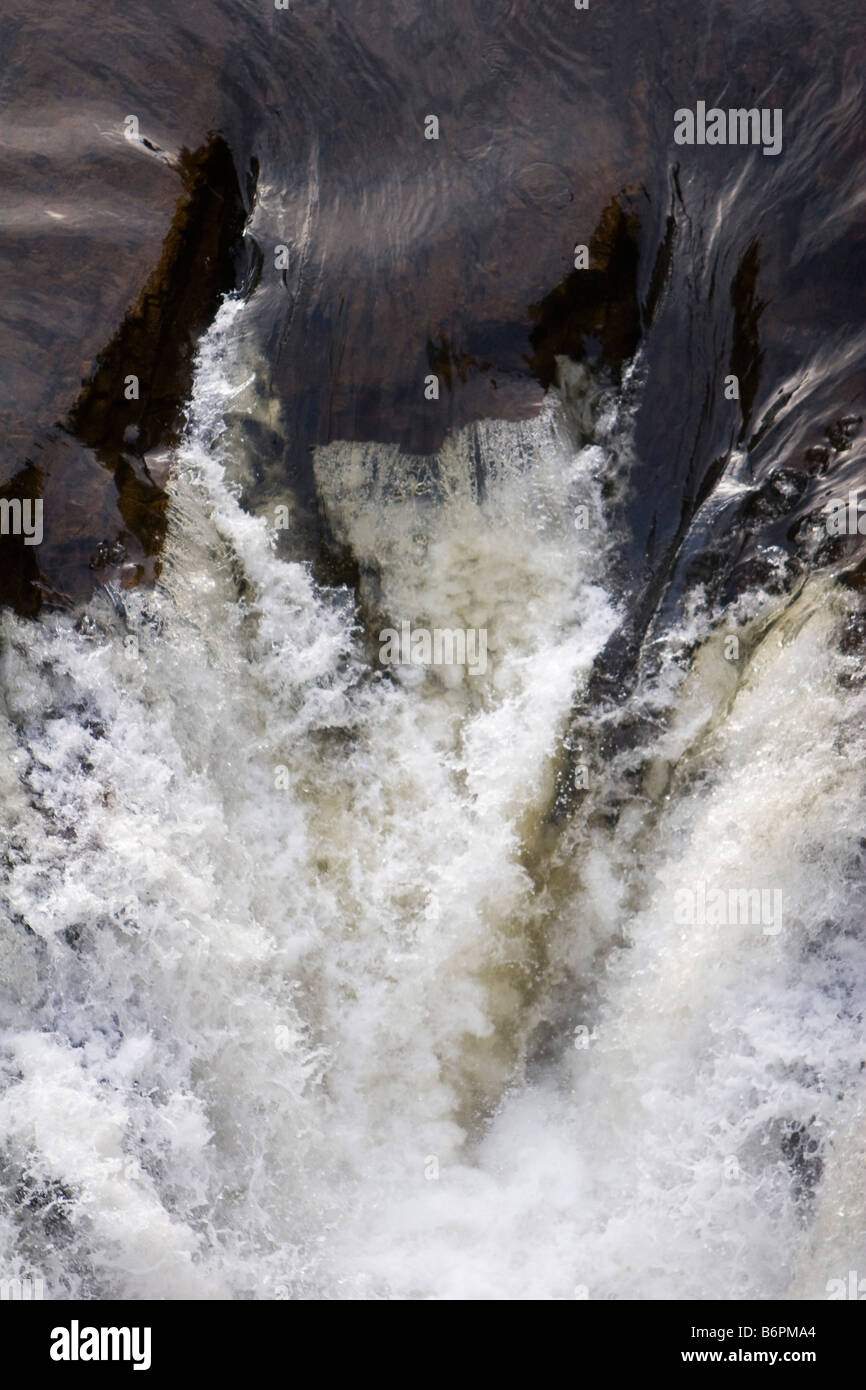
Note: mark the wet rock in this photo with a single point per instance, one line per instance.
(842, 432)
(600, 302)
(818, 459)
(102, 505)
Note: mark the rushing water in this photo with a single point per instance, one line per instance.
(326, 979)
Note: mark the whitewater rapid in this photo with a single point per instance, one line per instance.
(305, 992)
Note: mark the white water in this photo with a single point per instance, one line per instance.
(248, 1024)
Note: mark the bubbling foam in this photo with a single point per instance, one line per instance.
(280, 925)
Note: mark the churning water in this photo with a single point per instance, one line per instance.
(307, 994)
(328, 978)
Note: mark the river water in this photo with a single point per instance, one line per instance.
(323, 978)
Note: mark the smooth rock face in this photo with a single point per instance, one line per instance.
(86, 211)
(409, 256)
(131, 405)
(101, 231)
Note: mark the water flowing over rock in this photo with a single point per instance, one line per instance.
(527, 963)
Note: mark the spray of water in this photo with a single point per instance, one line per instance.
(283, 927)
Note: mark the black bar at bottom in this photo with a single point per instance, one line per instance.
(159, 1339)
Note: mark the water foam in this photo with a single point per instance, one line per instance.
(276, 935)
